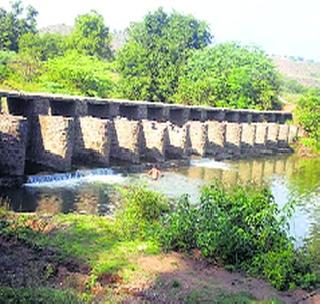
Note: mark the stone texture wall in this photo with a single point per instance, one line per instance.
(248, 136)
(92, 141)
(261, 135)
(233, 138)
(13, 144)
(198, 136)
(283, 136)
(126, 140)
(178, 144)
(154, 141)
(216, 137)
(51, 142)
(272, 136)
(293, 134)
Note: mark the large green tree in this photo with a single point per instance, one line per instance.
(15, 23)
(157, 49)
(91, 36)
(230, 75)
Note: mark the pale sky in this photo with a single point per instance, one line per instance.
(283, 27)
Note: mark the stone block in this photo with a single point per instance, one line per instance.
(272, 135)
(248, 136)
(51, 142)
(198, 137)
(13, 145)
(233, 139)
(178, 143)
(154, 141)
(216, 137)
(92, 141)
(126, 140)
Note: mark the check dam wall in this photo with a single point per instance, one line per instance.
(57, 132)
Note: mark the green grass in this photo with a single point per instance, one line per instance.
(37, 296)
(91, 239)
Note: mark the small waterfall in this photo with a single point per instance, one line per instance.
(103, 174)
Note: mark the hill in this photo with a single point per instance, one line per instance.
(306, 72)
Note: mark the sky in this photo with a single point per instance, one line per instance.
(281, 27)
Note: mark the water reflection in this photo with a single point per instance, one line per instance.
(289, 178)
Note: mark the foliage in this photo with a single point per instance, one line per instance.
(242, 227)
(308, 115)
(229, 75)
(292, 86)
(13, 24)
(25, 68)
(140, 212)
(36, 296)
(78, 74)
(151, 61)
(42, 46)
(90, 36)
(5, 58)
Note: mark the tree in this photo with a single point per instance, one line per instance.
(230, 75)
(157, 49)
(13, 25)
(90, 36)
(42, 46)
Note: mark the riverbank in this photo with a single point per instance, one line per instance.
(82, 258)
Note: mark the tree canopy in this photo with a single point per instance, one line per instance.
(229, 75)
(151, 61)
(15, 23)
(91, 36)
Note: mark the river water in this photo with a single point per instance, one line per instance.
(94, 191)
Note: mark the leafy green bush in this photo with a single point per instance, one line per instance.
(5, 58)
(78, 74)
(36, 296)
(229, 75)
(241, 227)
(140, 212)
(180, 230)
(308, 115)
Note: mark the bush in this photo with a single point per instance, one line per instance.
(78, 74)
(5, 58)
(242, 227)
(139, 214)
(229, 75)
(308, 115)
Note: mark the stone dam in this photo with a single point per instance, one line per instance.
(59, 132)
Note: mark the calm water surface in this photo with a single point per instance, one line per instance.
(94, 191)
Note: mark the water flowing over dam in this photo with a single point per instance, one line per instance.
(59, 132)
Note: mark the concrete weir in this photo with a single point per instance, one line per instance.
(52, 141)
(92, 141)
(60, 131)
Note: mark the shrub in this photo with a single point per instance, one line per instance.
(180, 230)
(308, 115)
(139, 214)
(241, 227)
(78, 74)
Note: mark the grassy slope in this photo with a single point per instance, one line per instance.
(119, 269)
